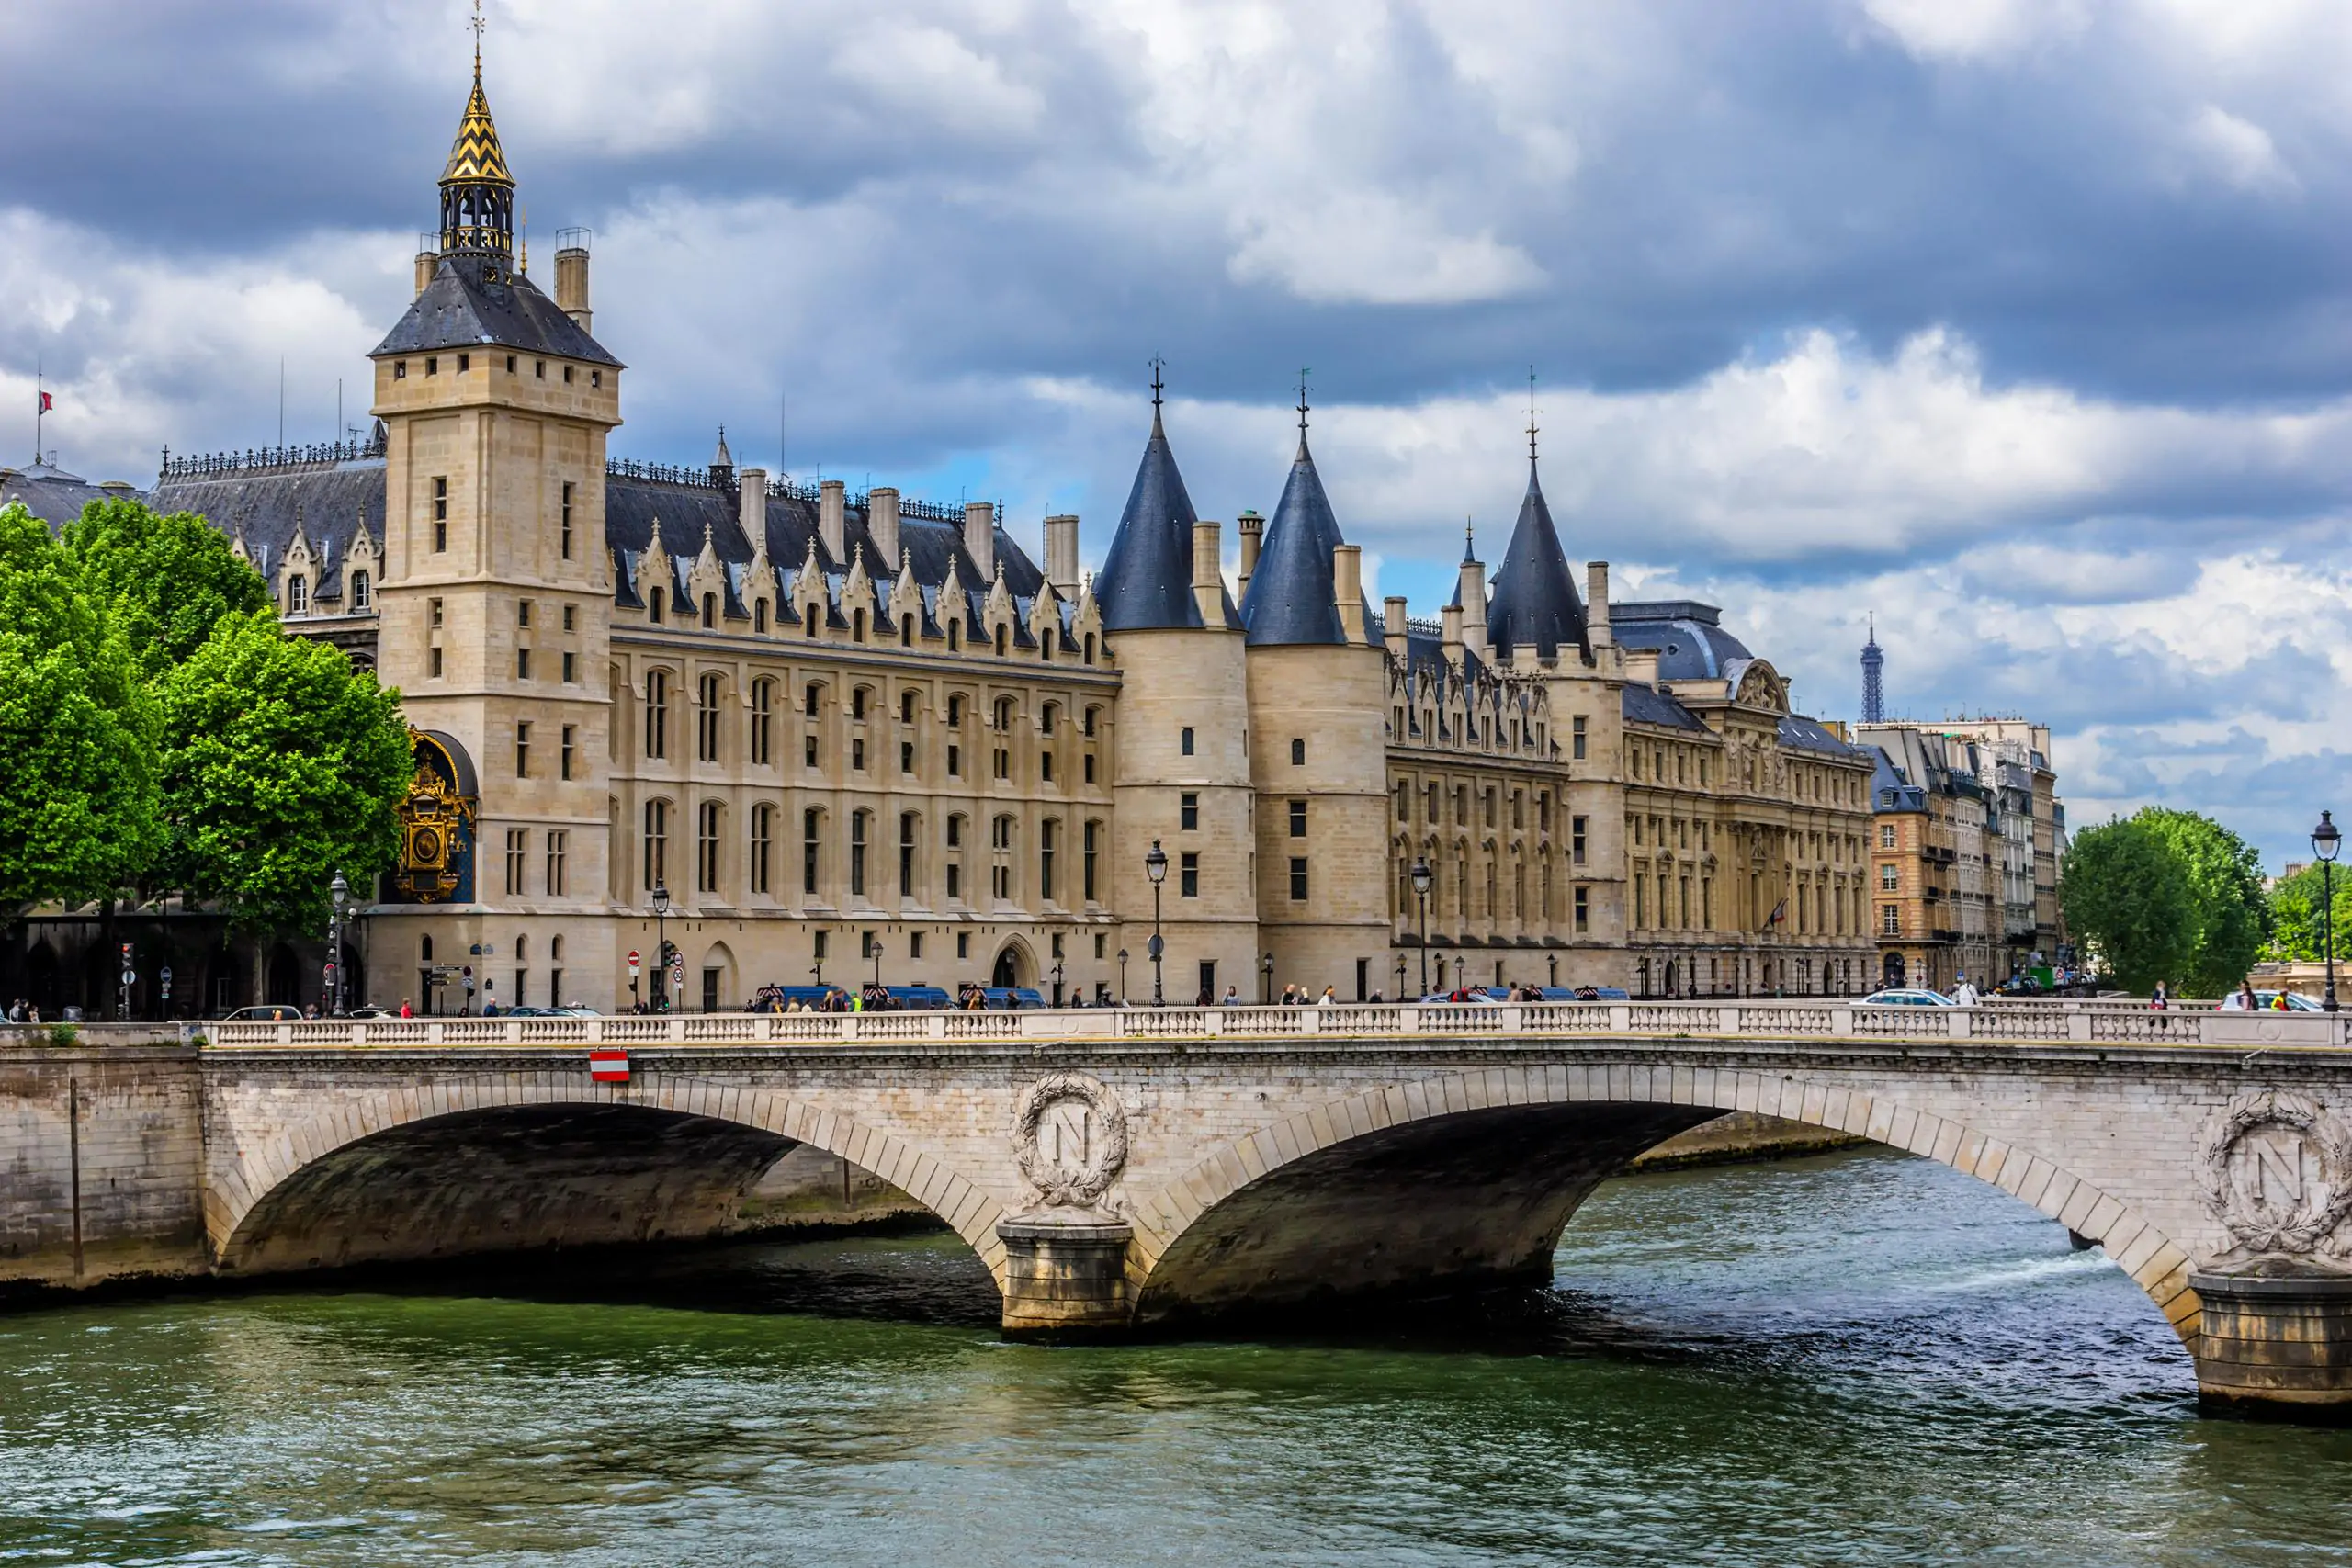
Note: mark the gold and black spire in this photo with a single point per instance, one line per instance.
(477, 189)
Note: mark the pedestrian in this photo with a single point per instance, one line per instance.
(2246, 996)
(2279, 1003)
(1232, 994)
(1964, 993)
(406, 1011)
(1328, 999)
(2158, 1000)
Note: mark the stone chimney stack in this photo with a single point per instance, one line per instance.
(833, 519)
(1391, 625)
(1061, 554)
(882, 525)
(1253, 535)
(427, 264)
(979, 536)
(1208, 573)
(572, 276)
(1596, 594)
(1347, 591)
(1449, 618)
(752, 498)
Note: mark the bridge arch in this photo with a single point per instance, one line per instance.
(754, 1128)
(1192, 1252)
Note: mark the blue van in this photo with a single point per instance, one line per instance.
(920, 998)
(1012, 996)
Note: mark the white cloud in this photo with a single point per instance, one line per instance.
(1371, 247)
(1975, 30)
(2237, 151)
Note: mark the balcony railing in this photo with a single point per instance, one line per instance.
(2050, 1022)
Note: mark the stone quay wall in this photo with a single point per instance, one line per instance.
(101, 1163)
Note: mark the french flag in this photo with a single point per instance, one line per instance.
(47, 402)
(608, 1067)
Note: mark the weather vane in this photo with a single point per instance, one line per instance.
(1530, 414)
(477, 24)
(1302, 402)
(1157, 365)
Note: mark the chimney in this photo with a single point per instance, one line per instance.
(833, 499)
(979, 536)
(751, 494)
(1473, 586)
(1347, 591)
(1451, 618)
(427, 262)
(1391, 625)
(1061, 554)
(1208, 576)
(1253, 535)
(1641, 666)
(572, 277)
(882, 527)
(1596, 594)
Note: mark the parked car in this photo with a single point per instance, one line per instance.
(265, 1012)
(2296, 1002)
(1906, 996)
(1012, 996)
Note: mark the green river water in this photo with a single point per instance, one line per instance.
(1860, 1358)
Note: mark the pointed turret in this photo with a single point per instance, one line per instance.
(1535, 609)
(477, 187)
(1291, 595)
(1146, 578)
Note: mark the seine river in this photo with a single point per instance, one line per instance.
(1854, 1360)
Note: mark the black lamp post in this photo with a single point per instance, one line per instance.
(1400, 977)
(1421, 892)
(1123, 977)
(1155, 866)
(661, 947)
(2325, 841)
(339, 891)
(1057, 983)
(1266, 981)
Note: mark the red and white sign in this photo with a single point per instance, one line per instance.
(608, 1067)
(633, 962)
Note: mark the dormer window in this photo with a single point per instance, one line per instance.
(297, 591)
(360, 592)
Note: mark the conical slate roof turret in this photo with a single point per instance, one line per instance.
(1146, 582)
(1536, 606)
(1291, 595)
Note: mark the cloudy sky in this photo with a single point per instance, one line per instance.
(2024, 323)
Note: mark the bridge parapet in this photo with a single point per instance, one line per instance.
(2020, 1022)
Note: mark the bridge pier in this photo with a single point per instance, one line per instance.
(1065, 1278)
(2275, 1343)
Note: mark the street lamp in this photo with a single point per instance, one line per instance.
(1123, 977)
(1057, 983)
(2325, 841)
(661, 947)
(1400, 977)
(339, 891)
(1421, 892)
(1266, 981)
(1155, 866)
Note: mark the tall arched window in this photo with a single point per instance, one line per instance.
(707, 848)
(813, 828)
(908, 826)
(857, 825)
(762, 722)
(763, 832)
(706, 721)
(657, 844)
(657, 714)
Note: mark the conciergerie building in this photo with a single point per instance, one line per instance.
(856, 734)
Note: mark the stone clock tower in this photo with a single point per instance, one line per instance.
(496, 597)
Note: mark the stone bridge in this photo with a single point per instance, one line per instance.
(1121, 1171)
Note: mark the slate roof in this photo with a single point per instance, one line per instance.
(332, 500)
(1691, 645)
(1146, 582)
(1802, 734)
(1645, 704)
(1289, 601)
(1535, 599)
(1889, 790)
(56, 497)
(463, 308)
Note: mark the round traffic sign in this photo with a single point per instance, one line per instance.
(634, 961)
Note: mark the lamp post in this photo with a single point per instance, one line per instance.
(2325, 841)
(1123, 977)
(1400, 977)
(339, 891)
(1421, 892)
(1058, 998)
(1266, 981)
(1155, 866)
(661, 947)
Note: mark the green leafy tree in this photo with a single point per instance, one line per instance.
(281, 765)
(166, 578)
(2126, 898)
(2225, 892)
(2295, 906)
(78, 819)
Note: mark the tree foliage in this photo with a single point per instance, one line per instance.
(2127, 899)
(2295, 906)
(165, 579)
(76, 727)
(281, 765)
(2232, 917)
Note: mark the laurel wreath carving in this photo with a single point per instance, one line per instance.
(2300, 1232)
(1086, 1188)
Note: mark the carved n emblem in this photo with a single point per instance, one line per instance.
(2276, 1169)
(1071, 1134)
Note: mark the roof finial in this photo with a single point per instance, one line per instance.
(1469, 540)
(1530, 414)
(1157, 365)
(1303, 373)
(477, 24)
